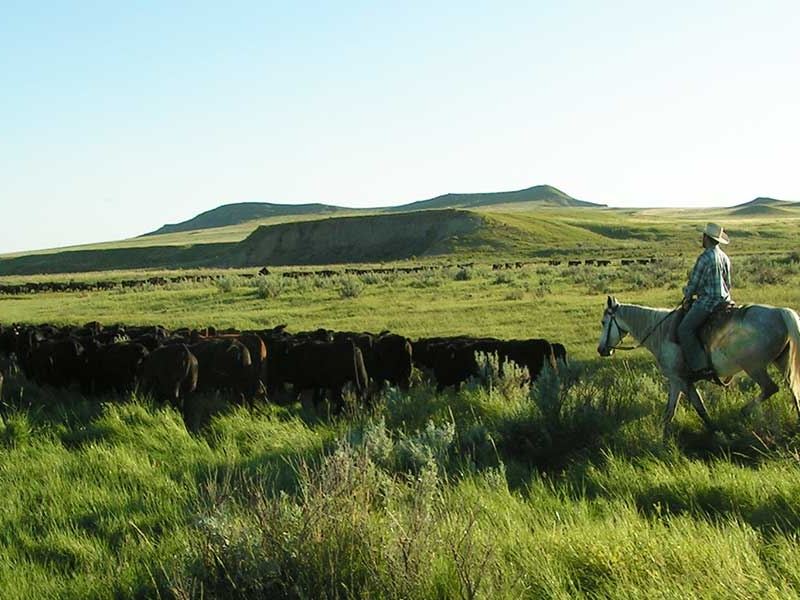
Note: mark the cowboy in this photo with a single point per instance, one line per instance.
(711, 283)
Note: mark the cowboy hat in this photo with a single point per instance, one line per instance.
(716, 233)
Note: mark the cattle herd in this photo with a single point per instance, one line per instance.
(95, 286)
(271, 363)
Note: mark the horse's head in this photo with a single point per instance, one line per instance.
(611, 334)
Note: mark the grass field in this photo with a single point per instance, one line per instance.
(562, 490)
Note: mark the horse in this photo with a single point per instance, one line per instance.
(757, 336)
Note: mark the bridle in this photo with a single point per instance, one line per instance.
(612, 314)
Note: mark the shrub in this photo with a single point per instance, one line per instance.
(372, 278)
(505, 376)
(761, 270)
(544, 286)
(268, 287)
(432, 278)
(428, 448)
(464, 274)
(504, 279)
(226, 283)
(350, 287)
(409, 453)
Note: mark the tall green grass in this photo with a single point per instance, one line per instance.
(561, 489)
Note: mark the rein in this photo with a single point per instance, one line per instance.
(649, 333)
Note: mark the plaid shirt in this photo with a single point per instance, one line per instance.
(711, 279)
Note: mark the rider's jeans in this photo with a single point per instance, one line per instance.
(687, 334)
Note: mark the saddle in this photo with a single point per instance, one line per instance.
(721, 316)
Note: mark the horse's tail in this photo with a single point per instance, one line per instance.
(792, 364)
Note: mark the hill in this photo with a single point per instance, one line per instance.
(233, 214)
(761, 202)
(762, 210)
(541, 195)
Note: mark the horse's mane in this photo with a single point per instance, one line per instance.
(648, 321)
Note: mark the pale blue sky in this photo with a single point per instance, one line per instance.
(117, 117)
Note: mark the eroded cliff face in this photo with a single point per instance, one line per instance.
(354, 239)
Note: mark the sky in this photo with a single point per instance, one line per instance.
(118, 117)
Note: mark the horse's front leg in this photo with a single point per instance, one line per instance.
(675, 391)
(697, 401)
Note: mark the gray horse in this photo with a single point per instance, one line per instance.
(750, 341)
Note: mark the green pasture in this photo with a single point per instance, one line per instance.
(565, 489)
(559, 303)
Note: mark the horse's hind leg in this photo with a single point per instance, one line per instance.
(782, 363)
(672, 403)
(697, 401)
(768, 388)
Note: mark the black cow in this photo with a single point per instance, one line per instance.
(114, 367)
(393, 362)
(532, 354)
(8, 340)
(320, 366)
(560, 353)
(170, 374)
(225, 364)
(256, 377)
(56, 362)
(258, 356)
(452, 360)
(363, 341)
